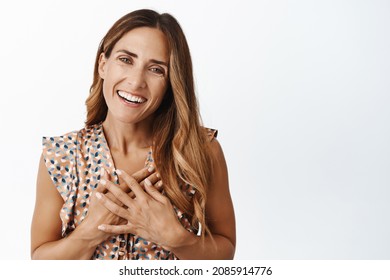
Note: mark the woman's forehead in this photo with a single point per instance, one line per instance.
(145, 42)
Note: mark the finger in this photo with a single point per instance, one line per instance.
(159, 186)
(143, 173)
(105, 175)
(116, 229)
(123, 186)
(153, 192)
(112, 207)
(111, 196)
(132, 184)
(118, 193)
(153, 178)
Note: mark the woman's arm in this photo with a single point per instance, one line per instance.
(46, 238)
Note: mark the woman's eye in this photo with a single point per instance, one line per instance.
(157, 70)
(125, 60)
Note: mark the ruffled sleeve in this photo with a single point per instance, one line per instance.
(59, 154)
(211, 133)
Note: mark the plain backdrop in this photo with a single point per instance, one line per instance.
(299, 90)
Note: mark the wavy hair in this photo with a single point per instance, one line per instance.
(180, 143)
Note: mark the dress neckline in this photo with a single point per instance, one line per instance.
(110, 159)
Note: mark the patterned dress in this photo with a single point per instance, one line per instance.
(74, 162)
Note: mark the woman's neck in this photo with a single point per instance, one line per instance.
(127, 137)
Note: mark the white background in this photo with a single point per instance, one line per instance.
(299, 90)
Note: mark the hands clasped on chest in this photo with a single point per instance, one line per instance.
(136, 207)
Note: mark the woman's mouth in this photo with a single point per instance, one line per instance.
(128, 97)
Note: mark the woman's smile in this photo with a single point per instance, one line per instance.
(130, 98)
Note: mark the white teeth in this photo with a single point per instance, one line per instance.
(130, 97)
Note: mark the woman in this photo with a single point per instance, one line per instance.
(143, 179)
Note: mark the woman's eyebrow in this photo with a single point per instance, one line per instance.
(136, 56)
(128, 53)
(159, 62)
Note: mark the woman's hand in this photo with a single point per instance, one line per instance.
(148, 214)
(98, 214)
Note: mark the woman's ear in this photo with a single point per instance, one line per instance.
(102, 66)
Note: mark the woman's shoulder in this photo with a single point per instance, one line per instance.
(214, 145)
(73, 138)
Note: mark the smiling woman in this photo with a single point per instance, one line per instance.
(135, 75)
(143, 179)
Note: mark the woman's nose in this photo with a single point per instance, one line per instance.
(136, 78)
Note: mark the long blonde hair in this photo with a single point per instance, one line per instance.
(180, 144)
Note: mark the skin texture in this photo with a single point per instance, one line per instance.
(138, 65)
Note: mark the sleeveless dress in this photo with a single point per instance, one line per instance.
(74, 161)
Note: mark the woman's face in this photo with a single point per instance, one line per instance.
(135, 76)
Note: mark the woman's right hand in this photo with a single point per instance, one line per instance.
(98, 214)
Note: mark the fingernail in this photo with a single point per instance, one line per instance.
(101, 227)
(98, 195)
(147, 182)
(102, 172)
(118, 172)
(151, 168)
(159, 184)
(158, 175)
(103, 182)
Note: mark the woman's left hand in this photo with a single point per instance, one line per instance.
(149, 214)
